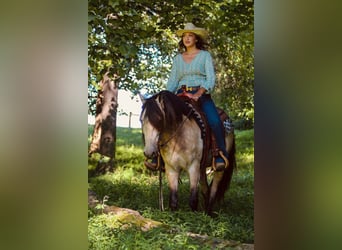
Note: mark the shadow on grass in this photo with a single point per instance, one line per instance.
(139, 191)
(125, 188)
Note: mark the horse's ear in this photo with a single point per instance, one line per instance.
(142, 98)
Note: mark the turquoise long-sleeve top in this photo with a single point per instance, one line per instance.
(199, 72)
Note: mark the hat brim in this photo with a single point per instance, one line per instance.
(202, 33)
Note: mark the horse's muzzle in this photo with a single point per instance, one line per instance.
(150, 156)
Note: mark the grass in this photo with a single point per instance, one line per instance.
(132, 186)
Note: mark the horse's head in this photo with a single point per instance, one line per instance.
(161, 113)
(151, 119)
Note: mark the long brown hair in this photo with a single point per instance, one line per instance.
(200, 44)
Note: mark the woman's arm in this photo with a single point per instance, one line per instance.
(172, 82)
(210, 73)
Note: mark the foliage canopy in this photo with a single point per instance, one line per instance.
(135, 42)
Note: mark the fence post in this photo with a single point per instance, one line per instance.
(130, 118)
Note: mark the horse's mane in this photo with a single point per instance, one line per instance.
(174, 109)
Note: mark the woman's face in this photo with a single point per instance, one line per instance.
(189, 39)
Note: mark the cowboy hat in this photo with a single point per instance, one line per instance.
(189, 27)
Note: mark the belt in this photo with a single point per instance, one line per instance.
(186, 88)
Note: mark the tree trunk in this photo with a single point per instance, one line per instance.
(104, 135)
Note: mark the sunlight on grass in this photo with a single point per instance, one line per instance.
(246, 160)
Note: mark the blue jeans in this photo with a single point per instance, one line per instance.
(214, 121)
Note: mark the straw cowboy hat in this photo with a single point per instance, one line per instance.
(189, 27)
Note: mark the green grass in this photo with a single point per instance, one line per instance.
(132, 186)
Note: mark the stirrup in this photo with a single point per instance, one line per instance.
(155, 166)
(220, 166)
(150, 165)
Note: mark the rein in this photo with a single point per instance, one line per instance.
(176, 131)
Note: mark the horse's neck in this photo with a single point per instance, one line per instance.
(185, 133)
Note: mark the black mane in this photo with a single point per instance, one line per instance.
(173, 108)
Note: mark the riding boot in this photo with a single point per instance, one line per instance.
(221, 160)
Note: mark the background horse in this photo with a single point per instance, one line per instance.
(169, 127)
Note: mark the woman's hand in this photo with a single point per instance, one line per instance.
(194, 96)
(198, 94)
(189, 95)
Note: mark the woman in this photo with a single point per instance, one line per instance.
(193, 67)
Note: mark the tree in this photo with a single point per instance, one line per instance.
(104, 136)
(134, 42)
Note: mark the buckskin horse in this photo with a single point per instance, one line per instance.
(172, 129)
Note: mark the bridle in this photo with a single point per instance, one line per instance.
(161, 143)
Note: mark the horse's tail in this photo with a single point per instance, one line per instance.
(227, 175)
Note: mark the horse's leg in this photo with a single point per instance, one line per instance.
(221, 180)
(172, 177)
(213, 190)
(204, 186)
(194, 176)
